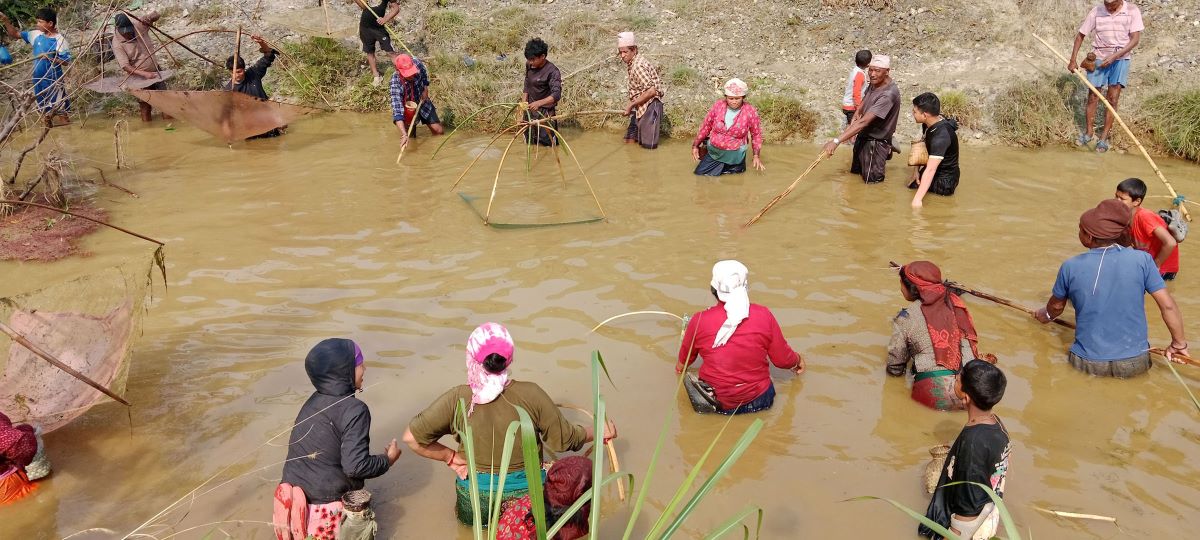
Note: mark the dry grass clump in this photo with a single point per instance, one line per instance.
(579, 30)
(784, 117)
(1173, 119)
(637, 20)
(959, 106)
(504, 31)
(1036, 113)
(444, 25)
(461, 89)
(323, 72)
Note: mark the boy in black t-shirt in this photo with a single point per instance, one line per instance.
(372, 29)
(940, 174)
(979, 454)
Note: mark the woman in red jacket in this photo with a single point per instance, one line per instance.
(735, 340)
(729, 129)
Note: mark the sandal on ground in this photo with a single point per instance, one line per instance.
(1102, 147)
(1083, 139)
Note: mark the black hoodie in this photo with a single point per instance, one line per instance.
(338, 433)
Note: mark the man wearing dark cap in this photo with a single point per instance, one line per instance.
(134, 53)
(1107, 287)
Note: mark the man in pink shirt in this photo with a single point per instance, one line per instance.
(735, 340)
(1116, 27)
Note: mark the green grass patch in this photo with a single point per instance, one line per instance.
(1174, 121)
(1036, 113)
(320, 71)
(958, 105)
(784, 117)
(504, 31)
(681, 75)
(206, 12)
(637, 20)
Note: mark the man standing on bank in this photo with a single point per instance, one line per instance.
(876, 120)
(1116, 28)
(645, 109)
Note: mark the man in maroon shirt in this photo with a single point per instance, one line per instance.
(736, 339)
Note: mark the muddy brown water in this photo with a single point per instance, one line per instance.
(277, 244)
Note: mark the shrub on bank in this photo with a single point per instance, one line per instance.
(784, 117)
(1174, 121)
(958, 105)
(1036, 112)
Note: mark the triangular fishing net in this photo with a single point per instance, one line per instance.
(118, 83)
(229, 116)
(316, 22)
(89, 324)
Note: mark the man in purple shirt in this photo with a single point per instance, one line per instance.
(1116, 28)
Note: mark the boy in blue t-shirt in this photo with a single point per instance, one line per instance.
(51, 52)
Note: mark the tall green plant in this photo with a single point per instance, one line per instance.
(1009, 525)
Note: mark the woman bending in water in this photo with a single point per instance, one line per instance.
(334, 426)
(492, 398)
(931, 337)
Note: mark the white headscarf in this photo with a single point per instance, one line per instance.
(626, 39)
(729, 280)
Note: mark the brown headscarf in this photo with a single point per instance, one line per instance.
(945, 314)
(1108, 221)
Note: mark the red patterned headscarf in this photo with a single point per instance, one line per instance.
(18, 444)
(945, 314)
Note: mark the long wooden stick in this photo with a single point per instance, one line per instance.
(785, 193)
(1080, 73)
(480, 155)
(996, 299)
(1186, 359)
(579, 165)
(19, 339)
(237, 54)
(93, 220)
(608, 446)
(411, 126)
(488, 214)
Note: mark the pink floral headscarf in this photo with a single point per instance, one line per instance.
(489, 338)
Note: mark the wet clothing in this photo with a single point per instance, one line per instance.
(1144, 224)
(1109, 300)
(294, 518)
(490, 420)
(870, 158)
(1121, 368)
(942, 141)
(251, 84)
(335, 425)
(645, 128)
(18, 445)
(910, 353)
(14, 485)
(738, 371)
(723, 133)
(566, 481)
(542, 83)
(136, 53)
(359, 525)
(979, 454)
(711, 167)
(48, 87)
(516, 486)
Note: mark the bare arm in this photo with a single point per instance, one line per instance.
(1168, 245)
(861, 120)
(1054, 307)
(926, 180)
(393, 10)
(438, 452)
(12, 31)
(1173, 319)
(1071, 65)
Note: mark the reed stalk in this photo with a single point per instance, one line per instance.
(496, 183)
(477, 158)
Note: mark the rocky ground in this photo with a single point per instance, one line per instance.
(797, 49)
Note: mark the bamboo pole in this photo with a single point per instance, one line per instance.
(994, 298)
(126, 231)
(481, 153)
(613, 462)
(1185, 359)
(1079, 73)
(328, 27)
(237, 54)
(411, 126)
(785, 193)
(495, 184)
(20, 340)
(579, 165)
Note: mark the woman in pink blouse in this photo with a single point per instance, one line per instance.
(730, 127)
